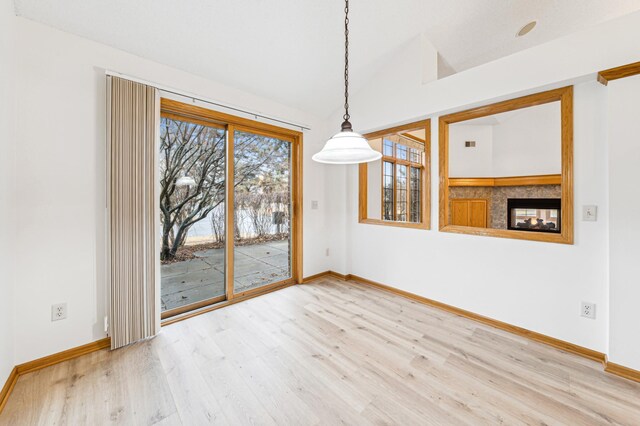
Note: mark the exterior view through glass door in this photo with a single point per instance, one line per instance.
(192, 165)
(229, 207)
(262, 211)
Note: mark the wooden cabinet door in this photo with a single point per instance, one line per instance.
(478, 213)
(460, 212)
(469, 212)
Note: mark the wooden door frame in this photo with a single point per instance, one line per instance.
(188, 112)
(565, 96)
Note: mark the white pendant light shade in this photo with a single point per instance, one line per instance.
(347, 147)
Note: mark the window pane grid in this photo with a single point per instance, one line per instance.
(388, 148)
(401, 184)
(401, 152)
(415, 156)
(403, 175)
(414, 214)
(387, 213)
(401, 193)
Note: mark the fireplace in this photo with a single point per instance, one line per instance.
(534, 214)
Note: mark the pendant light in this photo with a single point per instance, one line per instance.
(347, 146)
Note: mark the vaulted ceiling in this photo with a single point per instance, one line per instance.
(291, 51)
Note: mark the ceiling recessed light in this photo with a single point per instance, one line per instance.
(526, 29)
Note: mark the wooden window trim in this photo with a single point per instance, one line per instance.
(425, 179)
(628, 70)
(565, 97)
(182, 111)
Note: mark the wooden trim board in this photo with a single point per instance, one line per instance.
(46, 361)
(181, 109)
(229, 245)
(622, 371)
(600, 357)
(8, 387)
(507, 181)
(623, 71)
(191, 307)
(315, 277)
(59, 357)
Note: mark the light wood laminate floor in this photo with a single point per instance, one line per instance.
(326, 353)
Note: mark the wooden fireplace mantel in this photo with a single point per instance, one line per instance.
(507, 181)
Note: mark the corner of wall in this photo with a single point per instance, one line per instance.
(7, 191)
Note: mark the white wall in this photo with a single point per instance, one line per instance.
(519, 143)
(624, 158)
(486, 275)
(528, 142)
(470, 162)
(61, 176)
(7, 170)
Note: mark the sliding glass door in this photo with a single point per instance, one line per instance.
(192, 164)
(262, 211)
(229, 210)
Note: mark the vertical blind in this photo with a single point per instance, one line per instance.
(133, 123)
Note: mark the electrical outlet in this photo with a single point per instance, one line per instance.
(314, 205)
(588, 310)
(58, 312)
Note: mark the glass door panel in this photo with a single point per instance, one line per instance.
(262, 211)
(192, 168)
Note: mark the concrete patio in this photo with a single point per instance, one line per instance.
(202, 278)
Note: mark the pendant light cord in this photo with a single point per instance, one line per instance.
(346, 63)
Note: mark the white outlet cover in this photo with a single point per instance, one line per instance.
(589, 213)
(58, 312)
(314, 205)
(588, 310)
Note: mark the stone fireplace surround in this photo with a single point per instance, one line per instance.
(497, 197)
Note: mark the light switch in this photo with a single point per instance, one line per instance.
(314, 205)
(590, 213)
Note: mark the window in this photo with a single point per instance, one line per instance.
(414, 195)
(388, 191)
(405, 207)
(394, 190)
(401, 193)
(401, 152)
(515, 180)
(388, 148)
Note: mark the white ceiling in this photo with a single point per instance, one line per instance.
(292, 50)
